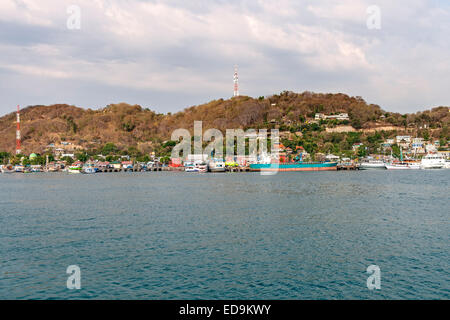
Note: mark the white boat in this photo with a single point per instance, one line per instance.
(19, 169)
(433, 161)
(201, 166)
(190, 167)
(36, 168)
(402, 166)
(8, 168)
(372, 164)
(447, 164)
(88, 170)
(216, 166)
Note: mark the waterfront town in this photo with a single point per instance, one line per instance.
(398, 152)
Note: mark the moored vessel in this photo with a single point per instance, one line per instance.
(402, 166)
(8, 168)
(372, 164)
(216, 165)
(433, 161)
(74, 169)
(190, 167)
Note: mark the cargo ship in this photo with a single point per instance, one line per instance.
(294, 166)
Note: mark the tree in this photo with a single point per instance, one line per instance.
(356, 123)
(396, 151)
(109, 148)
(82, 156)
(4, 157)
(362, 151)
(68, 160)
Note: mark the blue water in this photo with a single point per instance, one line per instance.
(165, 235)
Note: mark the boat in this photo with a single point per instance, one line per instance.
(447, 164)
(19, 169)
(36, 168)
(88, 170)
(371, 164)
(190, 167)
(401, 165)
(201, 166)
(433, 161)
(74, 169)
(8, 168)
(216, 165)
(294, 166)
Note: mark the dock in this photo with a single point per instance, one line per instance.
(347, 166)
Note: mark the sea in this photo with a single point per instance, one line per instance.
(177, 235)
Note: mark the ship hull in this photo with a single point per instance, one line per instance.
(288, 167)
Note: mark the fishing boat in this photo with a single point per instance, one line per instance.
(88, 170)
(371, 164)
(401, 165)
(190, 167)
(216, 165)
(36, 168)
(201, 166)
(74, 169)
(19, 169)
(433, 161)
(8, 168)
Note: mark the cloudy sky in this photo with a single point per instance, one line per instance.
(170, 54)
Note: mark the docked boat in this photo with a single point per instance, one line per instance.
(433, 161)
(190, 167)
(296, 166)
(216, 166)
(19, 169)
(372, 164)
(201, 166)
(88, 170)
(36, 168)
(447, 164)
(400, 165)
(8, 168)
(74, 169)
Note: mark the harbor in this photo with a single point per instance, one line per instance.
(431, 161)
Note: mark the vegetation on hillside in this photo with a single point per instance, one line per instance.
(122, 129)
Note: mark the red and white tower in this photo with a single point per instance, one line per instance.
(18, 147)
(236, 82)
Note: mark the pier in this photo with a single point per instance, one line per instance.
(347, 166)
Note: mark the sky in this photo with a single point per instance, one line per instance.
(171, 54)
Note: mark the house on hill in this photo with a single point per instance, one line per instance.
(340, 116)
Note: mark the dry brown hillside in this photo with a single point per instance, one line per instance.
(126, 125)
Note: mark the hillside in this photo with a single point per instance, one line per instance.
(138, 128)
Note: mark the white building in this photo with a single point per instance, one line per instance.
(340, 116)
(430, 148)
(400, 139)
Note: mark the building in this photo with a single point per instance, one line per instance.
(340, 116)
(332, 158)
(430, 148)
(403, 139)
